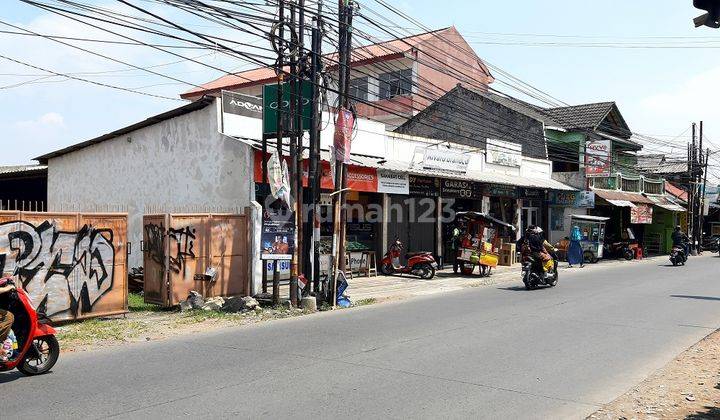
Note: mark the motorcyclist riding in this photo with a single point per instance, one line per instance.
(681, 240)
(534, 244)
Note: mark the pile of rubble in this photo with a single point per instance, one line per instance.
(229, 304)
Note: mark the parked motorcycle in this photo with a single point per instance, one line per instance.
(420, 264)
(621, 249)
(534, 275)
(38, 349)
(678, 256)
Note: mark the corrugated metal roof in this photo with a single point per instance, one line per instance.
(622, 196)
(22, 169)
(666, 204)
(185, 109)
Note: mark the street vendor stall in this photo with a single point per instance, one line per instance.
(480, 241)
(592, 229)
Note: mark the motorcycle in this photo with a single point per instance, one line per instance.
(534, 275)
(420, 264)
(38, 349)
(678, 256)
(620, 249)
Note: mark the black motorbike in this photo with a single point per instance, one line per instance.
(678, 255)
(534, 276)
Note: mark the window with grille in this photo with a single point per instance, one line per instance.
(359, 88)
(395, 83)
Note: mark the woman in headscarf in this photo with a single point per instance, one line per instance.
(575, 251)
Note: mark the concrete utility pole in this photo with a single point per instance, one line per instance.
(296, 173)
(312, 228)
(280, 129)
(345, 13)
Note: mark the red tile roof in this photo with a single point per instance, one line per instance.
(362, 55)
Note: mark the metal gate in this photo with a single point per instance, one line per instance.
(207, 253)
(73, 265)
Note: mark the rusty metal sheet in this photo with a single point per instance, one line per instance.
(155, 259)
(70, 269)
(196, 243)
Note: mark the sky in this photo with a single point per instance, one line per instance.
(659, 90)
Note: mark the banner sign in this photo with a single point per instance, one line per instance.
(360, 178)
(241, 115)
(343, 135)
(424, 186)
(576, 199)
(445, 160)
(498, 190)
(452, 188)
(326, 180)
(392, 182)
(270, 107)
(277, 239)
(598, 158)
(641, 214)
(531, 193)
(503, 153)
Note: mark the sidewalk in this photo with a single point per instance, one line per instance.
(383, 288)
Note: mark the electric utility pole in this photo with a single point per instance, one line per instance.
(312, 228)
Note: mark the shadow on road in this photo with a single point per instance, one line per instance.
(10, 376)
(696, 297)
(513, 288)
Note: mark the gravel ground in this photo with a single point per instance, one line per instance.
(686, 388)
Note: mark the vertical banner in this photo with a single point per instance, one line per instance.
(598, 158)
(343, 134)
(277, 240)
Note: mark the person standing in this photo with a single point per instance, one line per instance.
(575, 251)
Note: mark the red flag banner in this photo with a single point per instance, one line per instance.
(343, 134)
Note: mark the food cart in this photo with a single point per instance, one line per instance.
(480, 241)
(593, 235)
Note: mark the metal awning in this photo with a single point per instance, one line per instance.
(589, 218)
(622, 196)
(621, 203)
(666, 204)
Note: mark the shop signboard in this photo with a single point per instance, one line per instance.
(598, 158)
(445, 160)
(326, 180)
(499, 190)
(503, 153)
(270, 107)
(361, 178)
(584, 200)
(392, 182)
(641, 214)
(453, 188)
(576, 199)
(424, 186)
(531, 193)
(277, 239)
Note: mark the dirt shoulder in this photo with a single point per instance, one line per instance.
(686, 388)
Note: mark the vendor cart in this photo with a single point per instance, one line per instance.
(592, 229)
(480, 241)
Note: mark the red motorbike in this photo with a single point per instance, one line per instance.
(38, 349)
(421, 264)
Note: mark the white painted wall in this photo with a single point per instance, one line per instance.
(178, 165)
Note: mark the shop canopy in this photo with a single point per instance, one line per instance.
(666, 204)
(589, 218)
(622, 198)
(363, 173)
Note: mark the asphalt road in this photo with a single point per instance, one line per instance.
(494, 352)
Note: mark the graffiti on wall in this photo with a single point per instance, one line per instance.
(154, 242)
(181, 242)
(61, 271)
